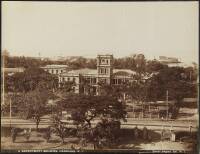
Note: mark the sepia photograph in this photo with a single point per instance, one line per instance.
(100, 76)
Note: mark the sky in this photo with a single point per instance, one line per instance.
(90, 28)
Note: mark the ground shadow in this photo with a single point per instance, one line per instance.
(30, 141)
(185, 115)
(54, 141)
(129, 141)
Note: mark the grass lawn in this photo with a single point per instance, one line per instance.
(37, 141)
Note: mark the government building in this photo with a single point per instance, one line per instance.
(103, 73)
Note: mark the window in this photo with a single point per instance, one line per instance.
(106, 71)
(103, 61)
(113, 81)
(73, 89)
(74, 79)
(94, 80)
(63, 79)
(56, 71)
(61, 71)
(68, 79)
(52, 71)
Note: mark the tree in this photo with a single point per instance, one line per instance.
(85, 108)
(58, 127)
(67, 86)
(140, 63)
(154, 66)
(33, 105)
(30, 79)
(125, 63)
(173, 80)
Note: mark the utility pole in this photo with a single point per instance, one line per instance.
(167, 104)
(133, 109)
(10, 112)
(3, 77)
(190, 76)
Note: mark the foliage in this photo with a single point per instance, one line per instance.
(33, 105)
(29, 80)
(173, 80)
(154, 66)
(67, 86)
(28, 62)
(86, 108)
(13, 134)
(81, 62)
(106, 132)
(59, 127)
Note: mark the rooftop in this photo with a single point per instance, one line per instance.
(165, 59)
(94, 71)
(13, 70)
(55, 66)
(190, 100)
(122, 71)
(81, 71)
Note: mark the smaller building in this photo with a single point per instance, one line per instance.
(56, 69)
(190, 102)
(170, 61)
(11, 71)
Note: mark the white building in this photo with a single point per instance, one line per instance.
(56, 69)
(103, 73)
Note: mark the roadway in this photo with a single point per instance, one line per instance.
(176, 125)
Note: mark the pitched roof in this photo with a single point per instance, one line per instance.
(81, 71)
(123, 72)
(55, 66)
(13, 70)
(94, 71)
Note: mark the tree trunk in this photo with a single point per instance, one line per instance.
(63, 140)
(37, 126)
(37, 123)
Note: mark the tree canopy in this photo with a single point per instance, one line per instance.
(86, 108)
(172, 79)
(29, 80)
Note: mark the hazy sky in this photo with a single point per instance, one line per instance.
(89, 28)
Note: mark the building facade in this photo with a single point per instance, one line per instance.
(56, 69)
(170, 61)
(103, 73)
(11, 71)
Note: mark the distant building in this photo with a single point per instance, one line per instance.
(11, 71)
(170, 61)
(5, 53)
(104, 73)
(56, 69)
(175, 62)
